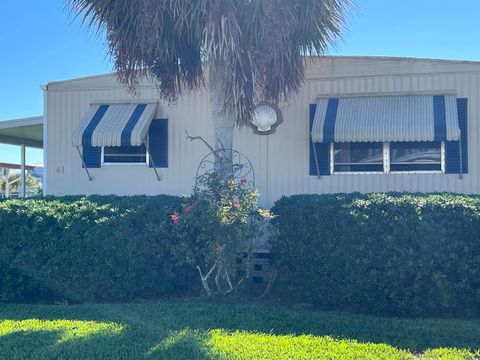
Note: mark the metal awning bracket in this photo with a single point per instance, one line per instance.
(460, 176)
(150, 159)
(316, 159)
(90, 178)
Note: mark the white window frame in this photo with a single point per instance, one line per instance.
(146, 163)
(386, 164)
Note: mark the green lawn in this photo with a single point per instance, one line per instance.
(197, 329)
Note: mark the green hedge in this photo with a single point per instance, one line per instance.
(98, 248)
(394, 254)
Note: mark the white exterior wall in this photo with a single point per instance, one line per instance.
(280, 160)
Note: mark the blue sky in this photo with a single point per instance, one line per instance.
(40, 41)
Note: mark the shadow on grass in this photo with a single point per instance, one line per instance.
(181, 329)
(52, 341)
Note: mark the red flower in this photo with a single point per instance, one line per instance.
(187, 210)
(236, 204)
(174, 218)
(243, 181)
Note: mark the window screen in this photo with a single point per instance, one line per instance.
(361, 157)
(415, 156)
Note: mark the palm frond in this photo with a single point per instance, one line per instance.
(260, 44)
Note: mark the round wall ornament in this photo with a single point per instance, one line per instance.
(266, 117)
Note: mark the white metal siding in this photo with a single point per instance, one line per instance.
(280, 160)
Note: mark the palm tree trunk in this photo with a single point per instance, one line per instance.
(223, 121)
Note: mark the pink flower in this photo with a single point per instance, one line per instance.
(236, 204)
(174, 218)
(187, 210)
(243, 181)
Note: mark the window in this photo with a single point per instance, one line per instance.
(125, 155)
(357, 157)
(392, 157)
(416, 156)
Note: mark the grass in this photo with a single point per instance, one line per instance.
(197, 329)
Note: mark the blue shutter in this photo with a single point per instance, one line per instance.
(158, 142)
(452, 148)
(323, 150)
(92, 156)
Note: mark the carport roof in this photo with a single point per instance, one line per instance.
(27, 131)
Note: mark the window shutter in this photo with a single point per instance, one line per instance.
(158, 142)
(452, 148)
(323, 151)
(92, 156)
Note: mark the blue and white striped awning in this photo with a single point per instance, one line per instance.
(115, 125)
(386, 118)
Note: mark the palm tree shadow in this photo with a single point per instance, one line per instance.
(48, 345)
(18, 345)
(184, 344)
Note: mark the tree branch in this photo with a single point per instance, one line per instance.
(191, 138)
(204, 279)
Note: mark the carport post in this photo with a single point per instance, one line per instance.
(22, 170)
(7, 183)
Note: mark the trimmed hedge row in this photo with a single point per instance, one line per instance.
(394, 254)
(80, 249)
(389, 254)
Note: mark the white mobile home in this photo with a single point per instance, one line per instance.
(367, 124)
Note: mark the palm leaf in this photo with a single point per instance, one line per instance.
(259, 44)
